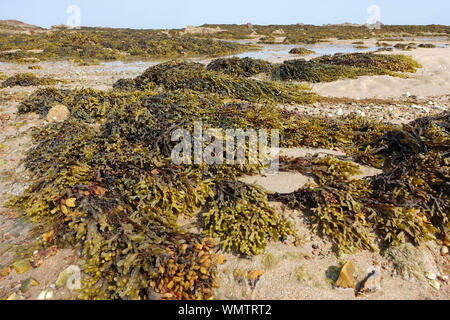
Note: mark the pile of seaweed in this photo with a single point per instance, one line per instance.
(333, 67)
(245, 67)
(176, 75)
(104, 180)
(301, 51)
(408, 201)
(110, 44)
(27, 79)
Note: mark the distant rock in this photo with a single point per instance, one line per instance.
(201, 30)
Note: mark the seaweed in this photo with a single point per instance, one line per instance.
(27, 79)
(245, 67)
(242, 217)
(426, 45)
(340, 66)
(325, 170)
(103, 179)
(408, 201)
(91, 44)
(175, 75)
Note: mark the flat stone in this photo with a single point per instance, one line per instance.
(347, 276)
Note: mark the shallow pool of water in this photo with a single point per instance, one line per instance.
(280, 52)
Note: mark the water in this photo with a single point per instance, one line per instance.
(280, 52)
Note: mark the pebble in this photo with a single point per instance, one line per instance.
(435, 284)
(340, 112)
(430, 275)
(46, 294)
(444, 250)
(58, 113)
(372, 281)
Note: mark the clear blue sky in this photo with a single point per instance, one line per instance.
(179, 13)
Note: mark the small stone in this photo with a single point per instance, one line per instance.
(21, 266)
(13, 296)
(444, 250)
(430, 275)
(70, 202)
(346, 276)
(5, 117)
(46, 294)
(435, 284)
(340, 112)
(5, 272)
(372, 282)
(27, 284)
(58, 113)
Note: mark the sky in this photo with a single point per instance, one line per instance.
(161, 14)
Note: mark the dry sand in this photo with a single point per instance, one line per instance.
(432, 80)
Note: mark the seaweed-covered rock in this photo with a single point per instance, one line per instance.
(27, 79)
(341, 66)
(245, 67)
(301, 51)
(194, 76)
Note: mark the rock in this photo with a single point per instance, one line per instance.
(430, 275)
(5, 272)
(27, 284)
(70, 202)
(21, 266)
(58, 113)
(253, 277)
(5, 117)
(340, 112)
(46, 294)
(372, 282)
(346, 276)
(444, 250)
(443, 278)
(435, 284)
